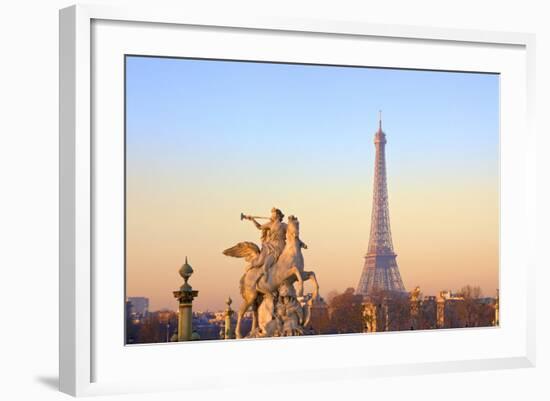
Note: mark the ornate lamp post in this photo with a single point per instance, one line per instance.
(185, 296)
(228, 313)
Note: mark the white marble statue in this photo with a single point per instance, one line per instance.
(268, 282)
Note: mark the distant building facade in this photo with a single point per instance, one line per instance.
(139, 306)
(391, 312)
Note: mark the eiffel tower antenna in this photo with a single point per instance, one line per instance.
(380, 271)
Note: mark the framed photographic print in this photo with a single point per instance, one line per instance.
(351, 195)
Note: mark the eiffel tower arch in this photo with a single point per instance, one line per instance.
(380, 271)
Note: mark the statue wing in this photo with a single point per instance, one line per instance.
(247, 250)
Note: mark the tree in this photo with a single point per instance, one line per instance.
(469, 292)
(471, 310)
(149, 331)
(346, 312)
(319, 321)
(331, 295)
(157, 327)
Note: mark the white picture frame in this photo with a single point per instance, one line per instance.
(82, 345)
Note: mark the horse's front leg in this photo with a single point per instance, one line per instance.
(311, 276)
(296, 272)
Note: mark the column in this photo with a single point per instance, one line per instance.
(185, 296)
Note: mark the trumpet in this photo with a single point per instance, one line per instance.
(244, 216)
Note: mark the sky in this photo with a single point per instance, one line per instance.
(208, 139)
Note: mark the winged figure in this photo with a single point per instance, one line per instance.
(287, 268)
(247, 250)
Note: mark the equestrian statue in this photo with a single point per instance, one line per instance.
(267, 285)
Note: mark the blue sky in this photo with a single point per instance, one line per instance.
(227, 110)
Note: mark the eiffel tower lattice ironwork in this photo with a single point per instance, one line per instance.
(380, 272)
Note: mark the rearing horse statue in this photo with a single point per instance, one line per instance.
(288, 269)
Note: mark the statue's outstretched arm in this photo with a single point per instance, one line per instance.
(258, 225)
(303, 244)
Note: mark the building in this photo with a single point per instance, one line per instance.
(139, 306)
(380, 271)
(449, 306)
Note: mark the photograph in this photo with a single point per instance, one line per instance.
(275, 199)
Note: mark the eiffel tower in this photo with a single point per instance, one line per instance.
(380, 272)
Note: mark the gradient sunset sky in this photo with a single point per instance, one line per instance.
(207, 140)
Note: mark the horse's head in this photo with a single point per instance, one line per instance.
(293, 228)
